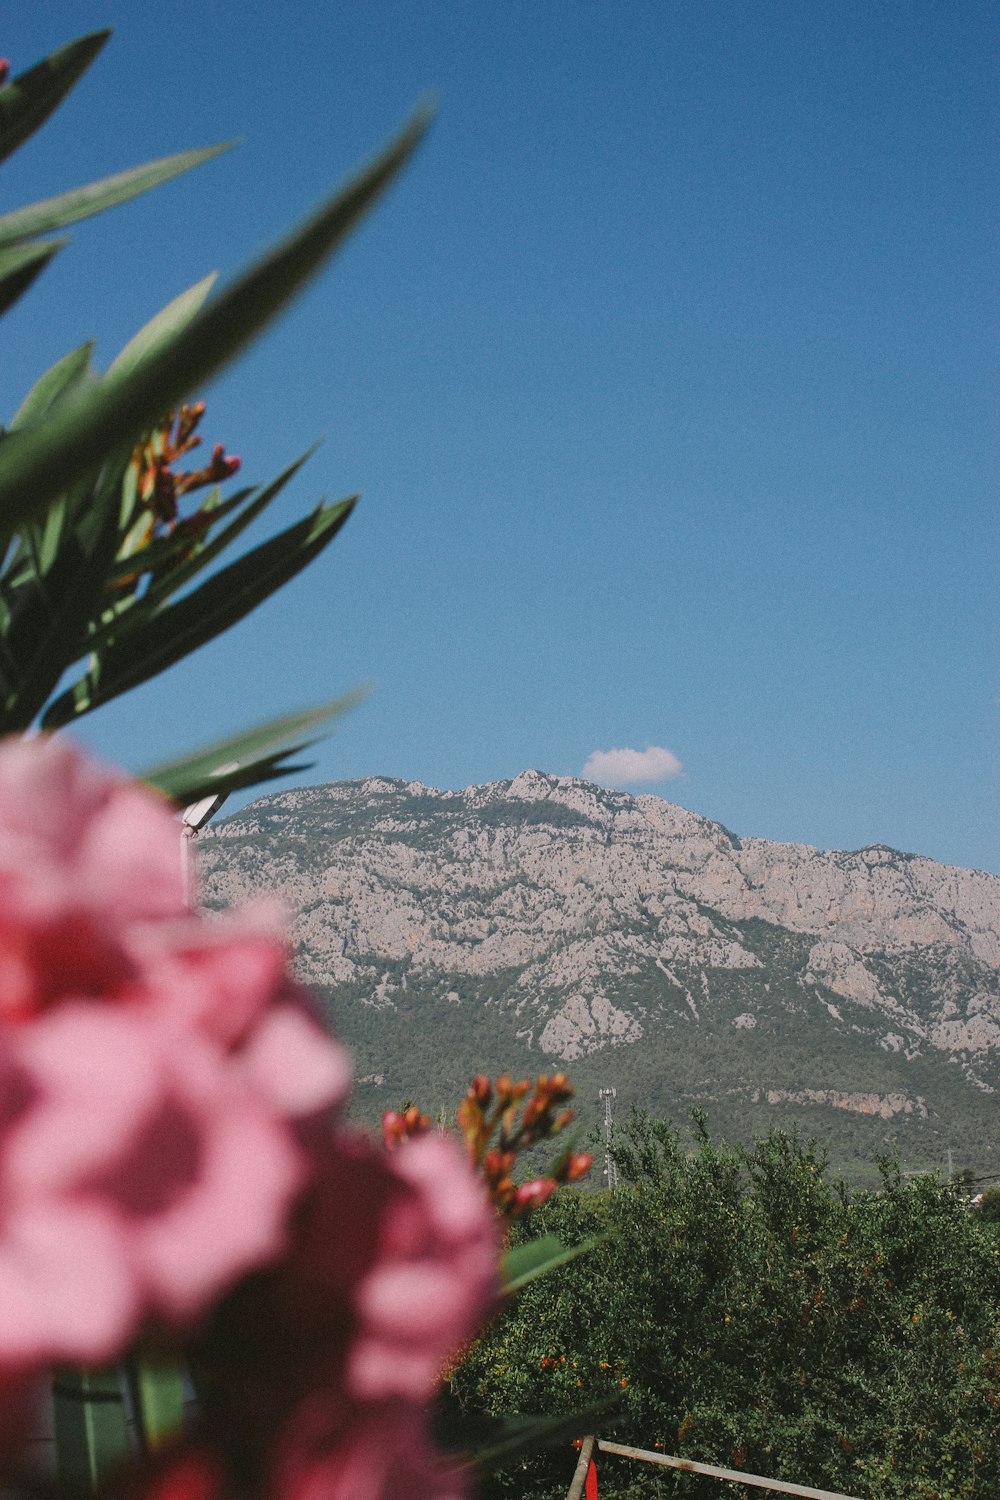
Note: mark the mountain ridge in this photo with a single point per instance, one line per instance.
(574, 924)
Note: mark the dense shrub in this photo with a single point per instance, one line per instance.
(745, 1310)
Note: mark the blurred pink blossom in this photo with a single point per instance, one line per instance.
(433, 1275)
(169, 1162)
(320, 1370)
(84, 855)
(156, 1069)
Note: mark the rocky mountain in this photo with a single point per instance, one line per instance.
(546, 922)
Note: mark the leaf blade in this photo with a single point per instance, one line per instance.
(161, 329)
(36, 463)
(525, 1263)
(20, 265)
(95, 197)
(28, 100)
(57, 380)
(200, 772)
(250, 513)
(149, 644)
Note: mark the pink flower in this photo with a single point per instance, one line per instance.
(226, 979)
(382, 1453)
(84, 855)
(169, 1163)
(433, 1275)
(139, 1175)
(320, 1370)
(157, 1071)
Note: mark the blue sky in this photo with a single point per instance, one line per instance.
(668, 374)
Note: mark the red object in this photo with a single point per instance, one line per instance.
(591, 1487)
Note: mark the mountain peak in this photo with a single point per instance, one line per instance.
(546, 920)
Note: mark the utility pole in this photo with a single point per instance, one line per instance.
(610, 1170)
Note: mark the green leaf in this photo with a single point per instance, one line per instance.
(158, 1386)
(256, 772)
(84, 202)
(39, 461)
(54, 384)
(192, 555)
(536, 1258)
(516, 1435)
(160, 330)
(159, 552)
(50, 608)
(91, 1433)
(149, 643)
(19, 265)
(28, 100)
(218, 767)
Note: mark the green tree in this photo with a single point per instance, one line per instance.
(747, 1311)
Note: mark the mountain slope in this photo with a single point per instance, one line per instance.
(545, 921)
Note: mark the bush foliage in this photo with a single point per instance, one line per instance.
(744, 1309)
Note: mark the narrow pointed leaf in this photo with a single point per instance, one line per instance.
(37, 462)
(91, 1432)
(54, 384)
(194, 554)
(50, 610)
(188, 566)
(159, 552)
(160, 330)
(536, 1258)
(204, 771)
(254, 773)
(28, 100)
(84, 202)
(19, 265)
(50, 534)
(158, 1387)
(517, 1435)
(154, 642)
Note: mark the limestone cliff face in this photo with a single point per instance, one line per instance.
(590, 919)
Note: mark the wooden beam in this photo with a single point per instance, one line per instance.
(783, 1486)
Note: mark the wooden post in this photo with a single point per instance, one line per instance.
(580, 1472)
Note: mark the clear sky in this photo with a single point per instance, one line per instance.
(668, 374)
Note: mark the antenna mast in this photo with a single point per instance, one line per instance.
(610, 1170)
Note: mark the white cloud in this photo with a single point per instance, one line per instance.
(613, 767)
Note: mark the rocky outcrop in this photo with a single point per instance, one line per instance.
(590, 920)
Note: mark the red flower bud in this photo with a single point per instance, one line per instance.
(481, 1088)
(397, 1127)
(531, 1195)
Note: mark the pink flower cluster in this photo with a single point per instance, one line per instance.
(321, 1367)
(171, 1162)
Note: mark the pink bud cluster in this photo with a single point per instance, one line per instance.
(518, 1115)
(403, 1125)
(172, 1165)
(159, 485)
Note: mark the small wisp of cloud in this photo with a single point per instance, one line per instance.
(625, 767)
